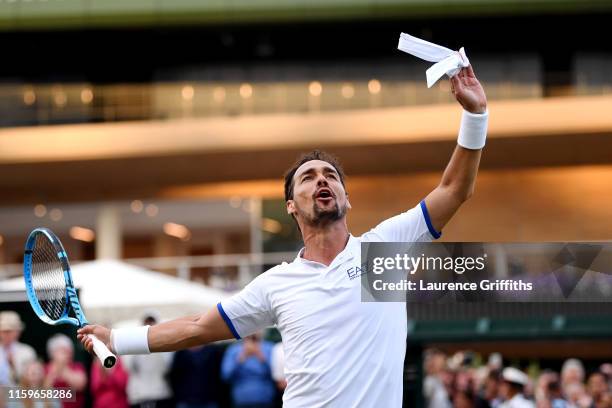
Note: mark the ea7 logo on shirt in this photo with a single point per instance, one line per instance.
(355, 272)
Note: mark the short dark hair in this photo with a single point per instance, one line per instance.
(304, 158)
(494, 375)
(598, 372)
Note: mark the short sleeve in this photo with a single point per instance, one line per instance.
(249, 310)
(413, 225)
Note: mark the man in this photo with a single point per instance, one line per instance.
(246, 367)
(553, 389)
(147, 386)
(14, 356)
(572, 372)
(490, 390)
(597, 386)
(434, 388)
(339, 352)
(195, 378)
(511, 389)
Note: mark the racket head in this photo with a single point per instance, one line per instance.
(48, 280)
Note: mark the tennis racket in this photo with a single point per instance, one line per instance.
(50, 289)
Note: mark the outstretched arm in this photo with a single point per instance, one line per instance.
(173, 335)
(459, 178)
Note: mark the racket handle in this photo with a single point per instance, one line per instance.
(107, 358)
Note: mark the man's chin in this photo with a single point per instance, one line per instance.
(326, 211)
(327, 214)
(332, 208)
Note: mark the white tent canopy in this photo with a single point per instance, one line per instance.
(113, 291)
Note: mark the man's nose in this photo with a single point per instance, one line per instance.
(321, 180)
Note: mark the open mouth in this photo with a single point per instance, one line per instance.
(324, 194)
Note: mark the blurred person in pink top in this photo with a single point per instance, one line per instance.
(109, 386)
(63, 372)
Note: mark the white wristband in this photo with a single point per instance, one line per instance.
(132, 340)
(473, 130)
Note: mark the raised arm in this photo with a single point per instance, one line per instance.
(173, 335)
(459, 178)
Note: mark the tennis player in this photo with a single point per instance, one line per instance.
(339, 352)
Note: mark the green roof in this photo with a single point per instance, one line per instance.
(557, 327)
(55, 14)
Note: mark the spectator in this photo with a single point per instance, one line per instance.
(463, 399)
(195, 377)
(464, 380)
(541, 393)
(576, 395)
(572, 372)
(108, 385)
(14, 356)
(5, 370)
(605, 401)
(512, 388)
(597, 386)
(434, 387)
(490, 391)
(147, 386)
(495, 362)
(606, 368)
(33, 378)
(457, 380)
(63, 372)
(246, 367)
(554, 395)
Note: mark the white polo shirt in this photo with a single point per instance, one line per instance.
(339, 352)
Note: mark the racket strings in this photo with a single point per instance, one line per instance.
(48, 278)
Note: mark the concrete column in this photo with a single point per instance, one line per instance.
(108, 232)
(2, 245)
(256, 232)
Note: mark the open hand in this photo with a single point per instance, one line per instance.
(468, 91)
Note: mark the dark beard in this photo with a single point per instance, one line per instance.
(325, 217)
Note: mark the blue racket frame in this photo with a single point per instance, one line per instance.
(72, 301)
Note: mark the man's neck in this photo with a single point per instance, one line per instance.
(324, 244)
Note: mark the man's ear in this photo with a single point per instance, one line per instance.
(290, 207)
(348, 203)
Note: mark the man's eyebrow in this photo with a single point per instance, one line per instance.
(309, 171)
(326, 169)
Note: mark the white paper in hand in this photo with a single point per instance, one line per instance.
(447, 61)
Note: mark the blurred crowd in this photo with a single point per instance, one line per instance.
(458, 381)
(245, 374)
(249, 374)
